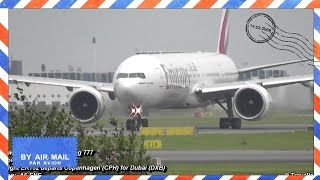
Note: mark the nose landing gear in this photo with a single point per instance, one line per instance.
(137, 121)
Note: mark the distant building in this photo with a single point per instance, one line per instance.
(15, 67)
(110, 76)
(43, 68)
(82, 76)
(262, 74)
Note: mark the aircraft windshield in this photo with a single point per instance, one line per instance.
(122, 75)
(141, 75)
(131, 75)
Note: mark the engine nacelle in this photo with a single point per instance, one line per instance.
(252, 102)
(86, 105)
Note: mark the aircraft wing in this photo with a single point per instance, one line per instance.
(248, 69)
(231, 88)
(106, 87)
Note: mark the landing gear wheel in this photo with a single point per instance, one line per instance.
(144, 122)
(130, 124)
(224, 123)
(236, 123)
(138, 122)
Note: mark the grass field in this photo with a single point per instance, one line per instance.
(186, 119)
(300, 140)
(239, 168)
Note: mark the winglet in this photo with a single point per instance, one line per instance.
(223, 33)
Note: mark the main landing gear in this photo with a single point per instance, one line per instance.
(136, 123)
(225, 123)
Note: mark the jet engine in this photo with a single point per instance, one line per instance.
(86, 104)
(252, 102)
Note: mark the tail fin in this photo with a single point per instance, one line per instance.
(223, 34)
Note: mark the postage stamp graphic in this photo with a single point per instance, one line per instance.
(44, 152)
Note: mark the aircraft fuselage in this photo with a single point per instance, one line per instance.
(169, 80)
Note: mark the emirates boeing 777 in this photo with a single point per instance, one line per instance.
(175, 81)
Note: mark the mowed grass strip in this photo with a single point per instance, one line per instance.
(238, 168)
(300, 140)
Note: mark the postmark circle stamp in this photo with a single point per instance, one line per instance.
(260, 28)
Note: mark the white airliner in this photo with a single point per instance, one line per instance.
(174, 81)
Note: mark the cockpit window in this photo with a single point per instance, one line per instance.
(122, 75)
(141, 75)
(132, 75)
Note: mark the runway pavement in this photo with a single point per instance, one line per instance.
(233, 156)
(257, 128)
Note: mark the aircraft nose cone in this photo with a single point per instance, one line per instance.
(127, 92)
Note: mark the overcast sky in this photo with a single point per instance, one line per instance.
(59, 38)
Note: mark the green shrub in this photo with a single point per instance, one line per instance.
(116, 148)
